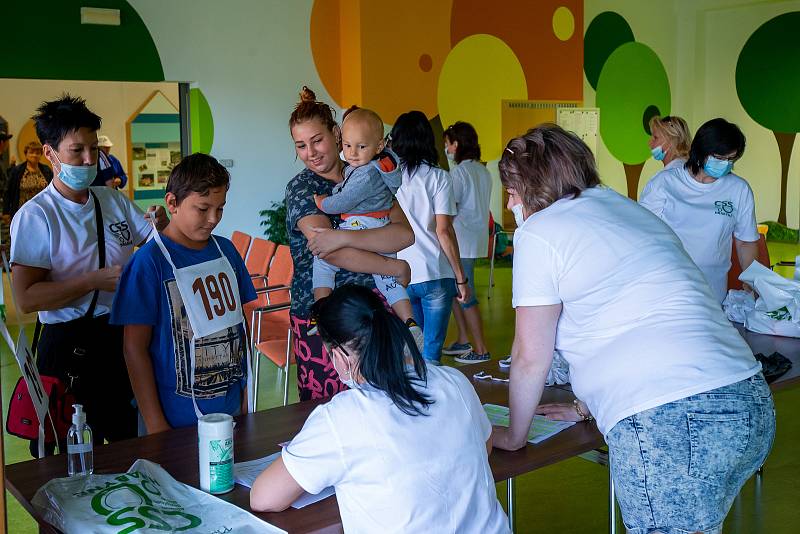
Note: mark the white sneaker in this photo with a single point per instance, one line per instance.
(505, 363)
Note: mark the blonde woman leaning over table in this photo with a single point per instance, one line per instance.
(676, 392)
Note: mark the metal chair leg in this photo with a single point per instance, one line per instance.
(491, 266)
(612, 501)
(510, 498)
(256, 365)
(287, 367)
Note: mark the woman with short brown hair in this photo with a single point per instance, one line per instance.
(675, 390)
(26, 180)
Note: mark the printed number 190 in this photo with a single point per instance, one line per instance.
(220, 290)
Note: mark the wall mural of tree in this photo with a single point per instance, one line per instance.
(768, 85)
(631, 87)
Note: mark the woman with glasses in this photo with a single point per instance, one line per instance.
(386, 444)
(707, 206)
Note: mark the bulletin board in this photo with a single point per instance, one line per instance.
(519, 116)
(584, 122)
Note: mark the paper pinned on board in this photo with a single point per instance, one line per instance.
(245, 473)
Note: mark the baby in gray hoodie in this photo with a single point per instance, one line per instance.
(364, 199)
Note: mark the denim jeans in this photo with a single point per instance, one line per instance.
(678, 467)
(468, 264)
(431, 303)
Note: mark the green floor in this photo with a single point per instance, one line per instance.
(571, 496)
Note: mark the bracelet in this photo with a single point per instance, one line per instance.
(580, 413)
(463, 283)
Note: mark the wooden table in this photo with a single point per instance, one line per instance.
(257, 435)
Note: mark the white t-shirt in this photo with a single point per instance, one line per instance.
(53, 233)
(640, 327)
(425, 194)
(395, 472)
(706, 217)
(472, 190)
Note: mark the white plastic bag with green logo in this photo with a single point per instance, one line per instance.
(143, 500)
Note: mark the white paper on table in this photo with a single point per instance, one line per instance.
(245, 473)
(541, 427)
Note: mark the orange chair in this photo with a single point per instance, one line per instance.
(736, 270)
(258, 261)
(241, 242)
(270, 328)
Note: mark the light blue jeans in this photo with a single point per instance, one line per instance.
(678, 467)
(431, 303)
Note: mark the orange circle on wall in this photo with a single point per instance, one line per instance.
(385, 56)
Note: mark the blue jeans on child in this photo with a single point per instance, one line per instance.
(324, 274)
(678, 467)
(431, 303)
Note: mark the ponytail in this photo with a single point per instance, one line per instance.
(354, 317)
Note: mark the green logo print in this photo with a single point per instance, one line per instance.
(135, 502)
(220, 456)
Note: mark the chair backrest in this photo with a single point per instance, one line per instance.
(260, 256)
(281, 271)
(736, 270)
(241, 242)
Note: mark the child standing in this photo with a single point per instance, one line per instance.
(363, 199)
(180, 299)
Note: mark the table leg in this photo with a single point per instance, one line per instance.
(612, 508)
(510, 498)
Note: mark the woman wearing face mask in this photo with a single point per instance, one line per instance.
(317, 142)
(675, 390)
(670, 141)
(472, 191)
(426, 196)
(68, 246)
(710, 208)
(385, 445)
(26, 180)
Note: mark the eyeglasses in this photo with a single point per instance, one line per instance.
(725, 158)
(482, 375)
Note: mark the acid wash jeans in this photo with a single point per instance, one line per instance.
(678, 467)
(431, 303)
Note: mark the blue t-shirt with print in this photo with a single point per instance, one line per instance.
(148, 295)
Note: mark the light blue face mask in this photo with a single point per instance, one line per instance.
(658, 153)
(717, 168)
(449, 156)
(76, 177)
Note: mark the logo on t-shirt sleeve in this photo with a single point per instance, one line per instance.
(122, 232)
(724, 207)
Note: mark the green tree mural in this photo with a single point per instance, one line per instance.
(768, 85)
(607, 32)
(632, 88)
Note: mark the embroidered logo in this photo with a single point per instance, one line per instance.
(724, 207)
(122, 232)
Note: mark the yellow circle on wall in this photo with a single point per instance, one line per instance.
(480, 72)
(563, 23)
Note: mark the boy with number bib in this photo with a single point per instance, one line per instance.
(180, 299)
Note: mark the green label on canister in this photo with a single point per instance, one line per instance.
(220, 459)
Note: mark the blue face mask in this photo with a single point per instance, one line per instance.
(717, 168)
(658, 153)
(76, 177)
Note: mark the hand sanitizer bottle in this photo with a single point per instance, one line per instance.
(80, 457)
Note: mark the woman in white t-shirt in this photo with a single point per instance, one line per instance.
(669, 141)
(386, 444)
(707, 206)
(56, 251)
(472, 191)
(426, 196)
(676, 392)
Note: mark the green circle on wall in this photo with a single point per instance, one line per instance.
(607, 32)
(768, 74)
(201, 122)
(633, 84)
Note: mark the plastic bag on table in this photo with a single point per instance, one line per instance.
(737, 304)
(777, 309)
(559, 370)
(144, 499)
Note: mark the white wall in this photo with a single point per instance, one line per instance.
(249, 58)
(115, 102)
